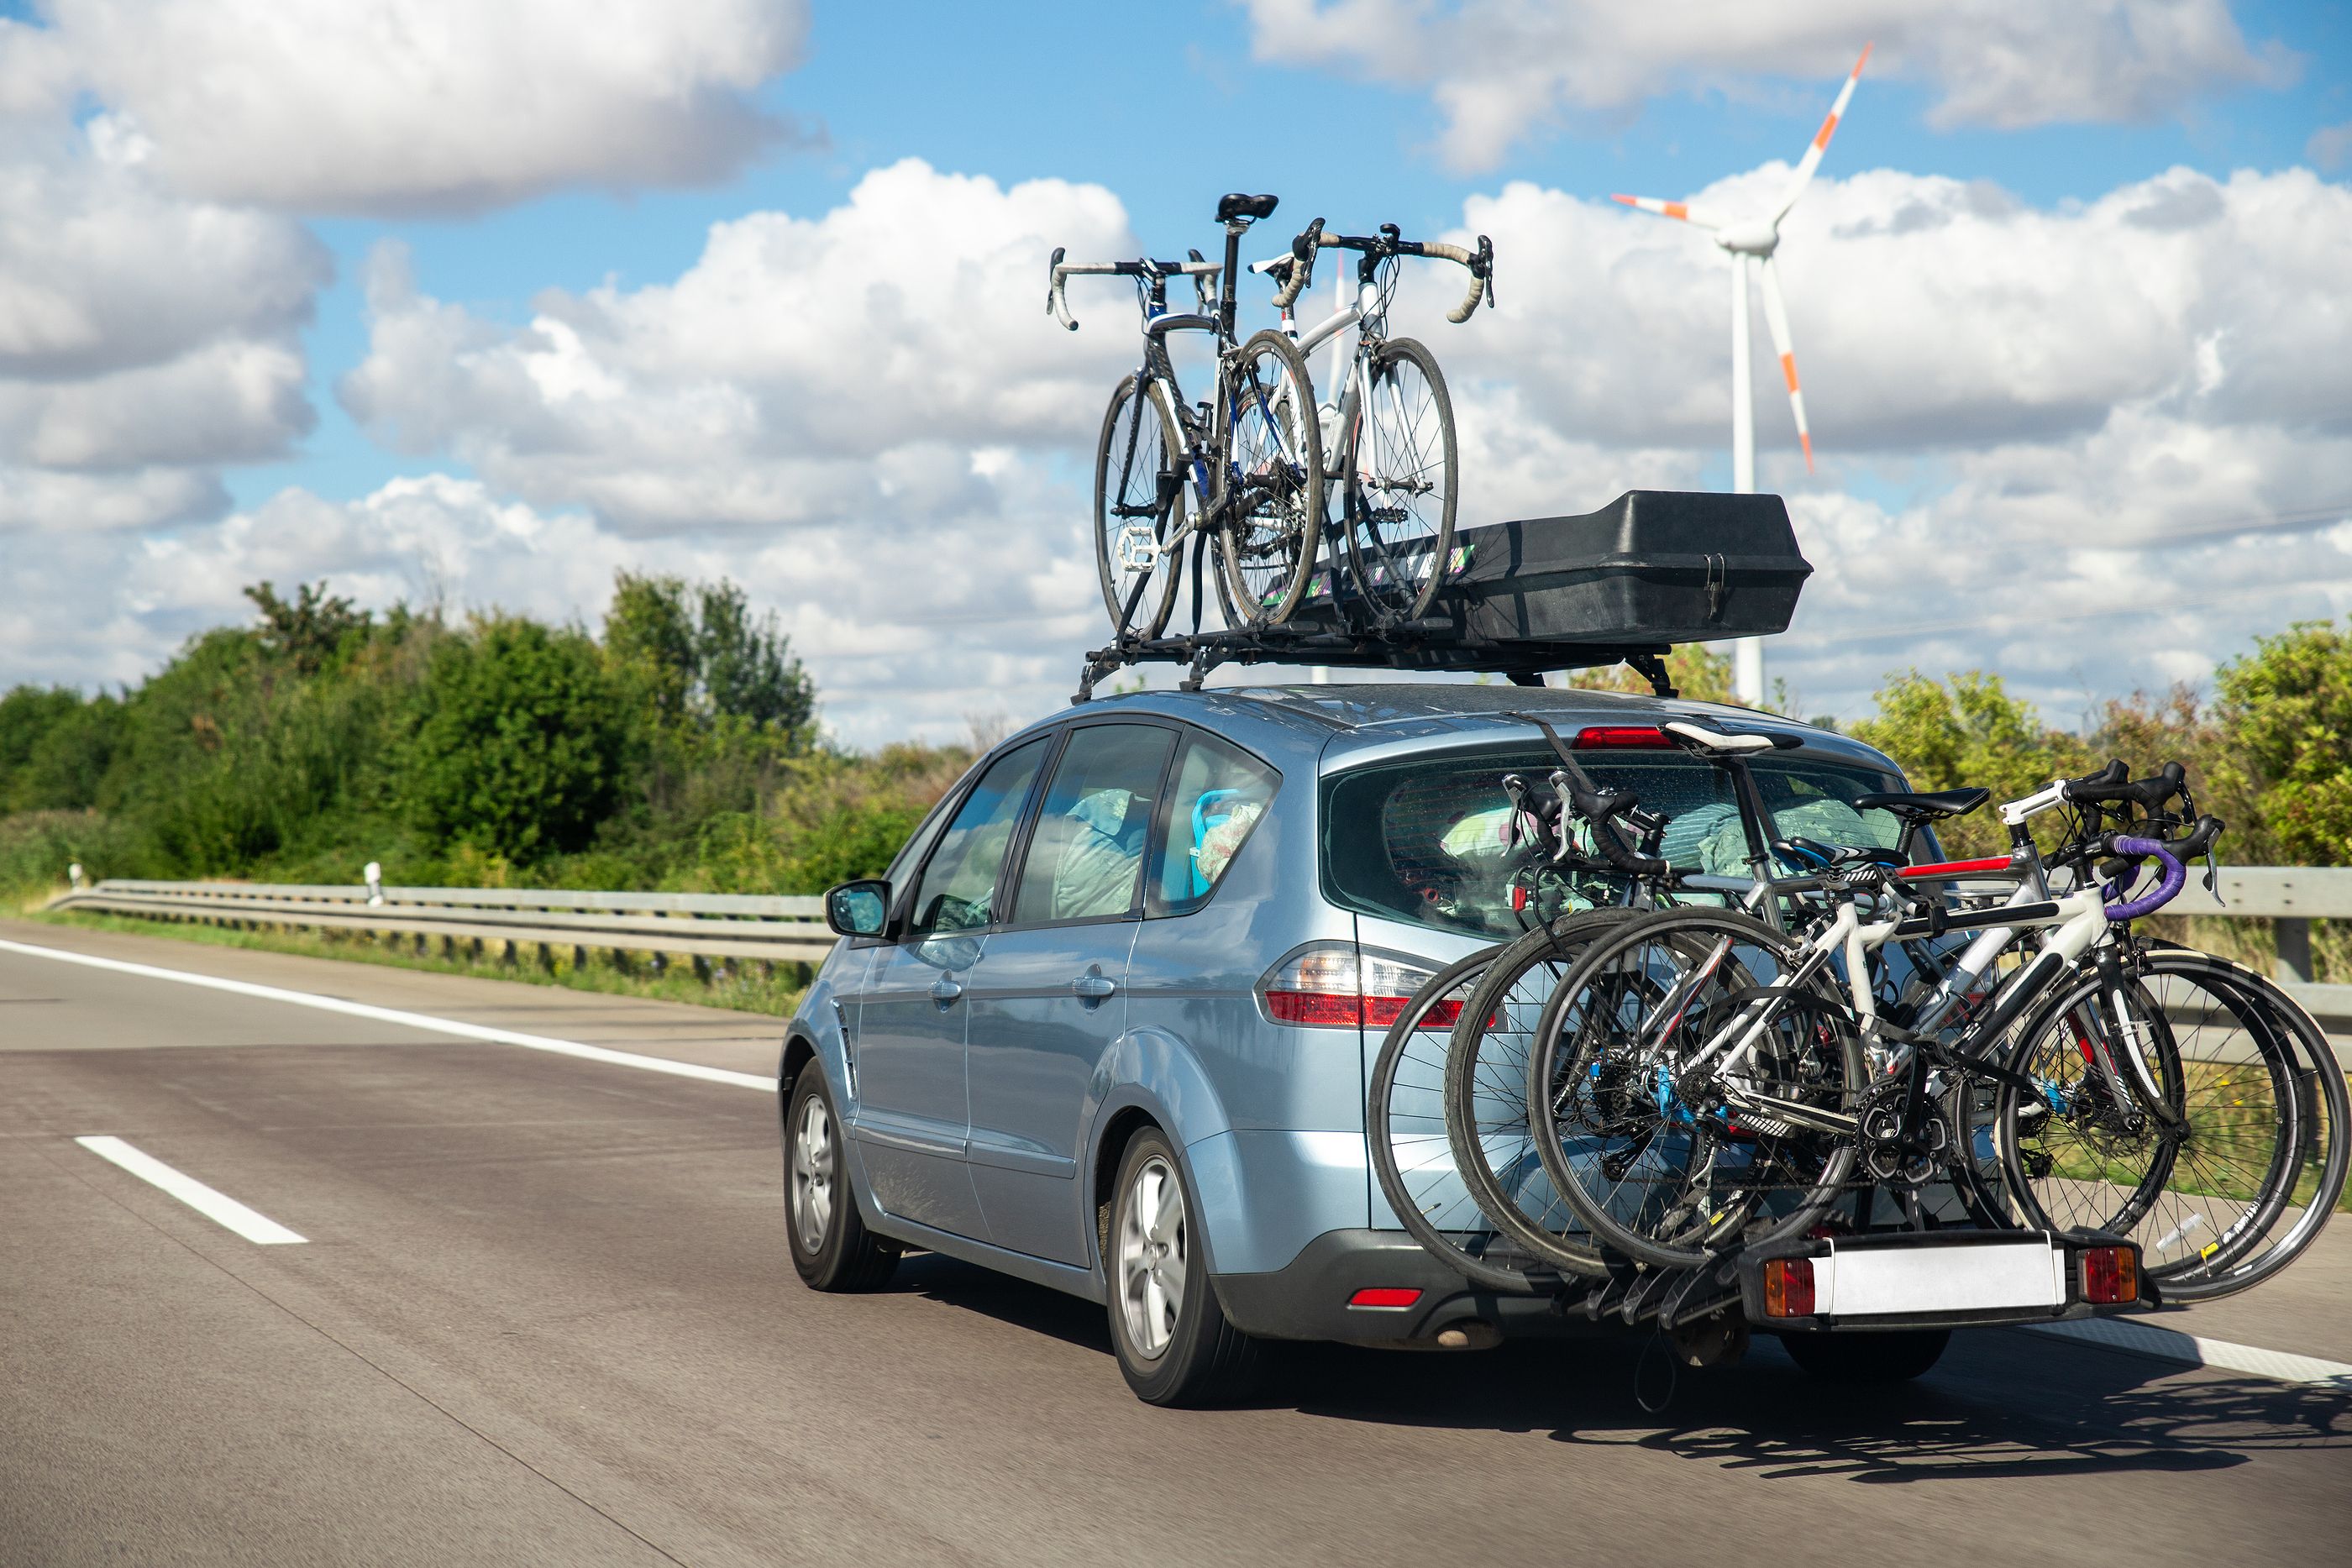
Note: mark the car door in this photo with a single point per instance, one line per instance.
(1046, 997)
(913, 1119)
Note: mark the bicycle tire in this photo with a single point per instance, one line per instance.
(1398, 1121)
(1488, 1125)
(1267, 551)
(1398, 572)
(1127, 477)
(2309, 1098)
(1818, 1162)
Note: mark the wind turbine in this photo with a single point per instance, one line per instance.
(1753, 240)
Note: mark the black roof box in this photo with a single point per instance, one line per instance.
(1653, 566)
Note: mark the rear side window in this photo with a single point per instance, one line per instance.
(1086, 858)
(1219, 794)
(1424, 840)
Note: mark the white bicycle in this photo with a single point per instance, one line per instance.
(1387, 424)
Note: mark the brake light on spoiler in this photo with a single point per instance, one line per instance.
(1623, 736)
(1329, 988)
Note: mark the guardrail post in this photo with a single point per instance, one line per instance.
(2293, 951)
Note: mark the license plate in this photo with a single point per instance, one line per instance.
(1894, 1281)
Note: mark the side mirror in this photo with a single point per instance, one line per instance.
(859, 908)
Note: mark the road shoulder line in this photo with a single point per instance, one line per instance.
(2194, 1350)
(396, 1016)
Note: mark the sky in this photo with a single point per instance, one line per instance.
(477, 302)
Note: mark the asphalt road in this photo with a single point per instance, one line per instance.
(544, 1314)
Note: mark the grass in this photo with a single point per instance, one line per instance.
(617, 972)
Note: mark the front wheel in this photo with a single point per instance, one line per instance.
(832, 1248)
(1174, 1346)
(1138, 509)
(1403, 482)
(1272, 522)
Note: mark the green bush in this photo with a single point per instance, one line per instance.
(520, 744)
(2288, 707)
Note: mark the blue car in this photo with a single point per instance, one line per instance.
(1108, 1022)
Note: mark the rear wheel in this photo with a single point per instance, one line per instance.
(832, 1248)
(1403, 483)
(1139, 507)
(1173, 1343)
(1893, 1355)
(1273, 523)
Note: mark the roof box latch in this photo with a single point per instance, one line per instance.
(1716, 588)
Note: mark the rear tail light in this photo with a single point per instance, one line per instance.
(1641, 736)
(1389, 1296)
(1788, 1288)
(2110, 1276)
(1331, 987)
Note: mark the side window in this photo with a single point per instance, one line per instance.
(958, 885)
(1219, 793)
(1086, 858)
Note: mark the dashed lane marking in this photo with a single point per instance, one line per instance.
(2195, 1349)
(217, 1206)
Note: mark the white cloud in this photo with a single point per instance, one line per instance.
(145, 338)
(390, 106)
(804, 370)
(1498, 70)
(2330, 145)
(1930, 315)
(907, 631)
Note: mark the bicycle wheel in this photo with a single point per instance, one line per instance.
(1671, 1154)
(1411, 1156)
(1487, 1126)
(1402, 484)
(1139, 507)
(1271, 524)
(2235, 1182)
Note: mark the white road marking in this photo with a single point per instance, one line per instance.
(216, 1206)
(412, 1020)
(2195, 1349)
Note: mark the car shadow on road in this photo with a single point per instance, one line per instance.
(1999, 1404)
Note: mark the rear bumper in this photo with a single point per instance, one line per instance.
(1307, 1299)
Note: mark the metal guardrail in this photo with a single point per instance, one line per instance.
(789, 929)
(704, 926)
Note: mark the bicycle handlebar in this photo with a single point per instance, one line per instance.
(1601, 808)
(2175, 877)
(1301, 263)
(1058, 272)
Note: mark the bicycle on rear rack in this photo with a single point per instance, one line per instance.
(1243, 469)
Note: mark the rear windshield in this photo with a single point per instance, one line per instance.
(1423, 840)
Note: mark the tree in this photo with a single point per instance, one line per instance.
(519, 747)
(1969, 732)
(699, 654)
(28, 715)
(2287, 707)
(308, 631)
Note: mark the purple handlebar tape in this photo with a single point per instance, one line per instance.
(2175, 878)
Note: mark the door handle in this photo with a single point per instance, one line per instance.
(1094, 987)
(944, 991)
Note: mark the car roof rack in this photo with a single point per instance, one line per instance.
(1310, 641)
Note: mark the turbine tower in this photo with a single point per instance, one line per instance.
(1750, 242)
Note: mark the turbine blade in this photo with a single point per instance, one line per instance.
(1682, 211)
(1812, 158)
(1776, 319)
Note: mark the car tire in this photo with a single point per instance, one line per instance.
(832, 1248)
(1174, 1346)
(1895, 1355)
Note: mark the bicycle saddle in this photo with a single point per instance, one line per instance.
(1728, 740)
(1843, 854)
(1916, 806)
(1240, 206)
